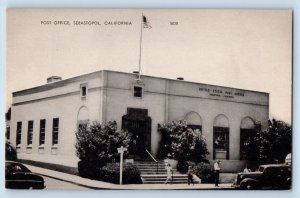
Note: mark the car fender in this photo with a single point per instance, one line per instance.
(247, 181)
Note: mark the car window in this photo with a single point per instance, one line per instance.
(24, 168)
(16, 168)
(260, 169)
(271, 171)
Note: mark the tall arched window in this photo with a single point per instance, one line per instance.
(221, 137)
(194, 120)
(82, 117)
(247, 133)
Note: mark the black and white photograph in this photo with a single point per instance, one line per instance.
(156, 99)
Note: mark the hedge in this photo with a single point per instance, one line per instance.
(110, 172)
(205, 172)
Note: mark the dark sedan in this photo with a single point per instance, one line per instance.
(18, 176)
(269, 176)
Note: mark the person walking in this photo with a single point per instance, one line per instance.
(169, 172)
(190, 175)
(217, 172)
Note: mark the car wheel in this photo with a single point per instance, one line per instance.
(249, 186)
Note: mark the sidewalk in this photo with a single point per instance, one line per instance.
(93, 184)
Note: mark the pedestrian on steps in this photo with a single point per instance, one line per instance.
(190, 175)
(169, 172)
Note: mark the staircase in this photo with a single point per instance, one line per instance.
(155, 173)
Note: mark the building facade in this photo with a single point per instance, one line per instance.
(44, 118)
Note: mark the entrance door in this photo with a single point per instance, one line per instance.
(247, 136)
(137, 122)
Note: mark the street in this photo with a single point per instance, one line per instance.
(52, 184)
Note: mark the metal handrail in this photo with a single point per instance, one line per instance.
(153, 160)
(151, 155)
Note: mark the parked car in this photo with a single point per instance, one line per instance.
(270, 176)
(288, 159)
(18, 176)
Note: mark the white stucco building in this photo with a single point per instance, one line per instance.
(45, 118)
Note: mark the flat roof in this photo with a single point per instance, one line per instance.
(64, 82)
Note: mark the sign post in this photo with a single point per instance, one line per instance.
(121, 151)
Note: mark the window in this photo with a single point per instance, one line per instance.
(82, 124)
(83, 90)
(30, 132)
(138, 91)
(19, 133)
(195, 127)
(221, 143)
(42, 131)
(246, 141)
(55, 131)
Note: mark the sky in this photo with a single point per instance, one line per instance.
(247, 49)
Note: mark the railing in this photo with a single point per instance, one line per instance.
(153, 160)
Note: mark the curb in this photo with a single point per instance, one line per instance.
(119, 187)
(78, 184)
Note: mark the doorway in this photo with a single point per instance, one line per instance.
(137, 122)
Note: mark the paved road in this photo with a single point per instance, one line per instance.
(52, 184)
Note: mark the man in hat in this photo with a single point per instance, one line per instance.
(217, 172)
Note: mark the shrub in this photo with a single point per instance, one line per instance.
(204, 171)
(271, 145)
(181, 142)
(98, 143)
(131, 175)
(89, 169)
(111, 173)
(183, 166)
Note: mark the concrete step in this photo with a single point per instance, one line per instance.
(153, 173)
(162, 182)
(161, 178)
(150, 165)
(141, 162)
(179, 179)
(165, 175)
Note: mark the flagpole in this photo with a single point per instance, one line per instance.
(140, 57)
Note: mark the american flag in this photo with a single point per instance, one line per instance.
(146, 23)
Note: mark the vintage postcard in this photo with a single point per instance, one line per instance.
(148, 99)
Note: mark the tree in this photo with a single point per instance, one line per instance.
(8, 114)
(271, 145)
(96, 143)
(181, 143)
(10, 151)
(7, 121)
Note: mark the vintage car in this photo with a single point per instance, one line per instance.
(18, 176)
(270, 176)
